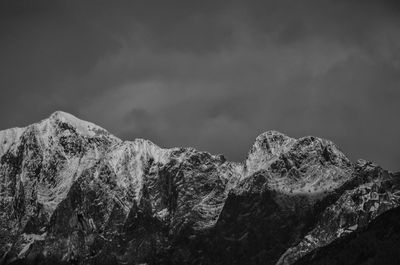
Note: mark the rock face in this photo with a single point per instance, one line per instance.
(376, 244)
(71, 193)
(375, 192)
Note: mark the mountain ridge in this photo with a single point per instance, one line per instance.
(74, 193)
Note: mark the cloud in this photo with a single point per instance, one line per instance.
(213, 75)
(189, 97)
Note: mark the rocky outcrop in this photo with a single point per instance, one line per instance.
(374, 192)
(72, 193)
(376, 244)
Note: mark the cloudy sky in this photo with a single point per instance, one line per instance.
(209, 74)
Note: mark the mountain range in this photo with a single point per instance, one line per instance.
(72, 193)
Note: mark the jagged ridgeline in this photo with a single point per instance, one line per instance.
(72, 193)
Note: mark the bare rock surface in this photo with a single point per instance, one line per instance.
(376, 244)
(72, 193)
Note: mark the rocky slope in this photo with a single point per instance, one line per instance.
(71, 193)
(377, 244)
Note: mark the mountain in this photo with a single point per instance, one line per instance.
(72, 193)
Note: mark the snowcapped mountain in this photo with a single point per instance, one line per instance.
(72, 193)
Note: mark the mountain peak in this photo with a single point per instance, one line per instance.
(62, 114)
(267, 147)
(67, 121)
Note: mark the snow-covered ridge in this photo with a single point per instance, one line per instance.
(269, 150)
(63, 175)
(82, 127)
(308, 165)
(266, 149)
(46, 128)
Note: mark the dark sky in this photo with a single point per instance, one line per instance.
(209, 74)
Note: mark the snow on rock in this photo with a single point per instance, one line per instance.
(297, 166)
(267, 148)
(71, 189)
(377, 192)
(9, 138)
